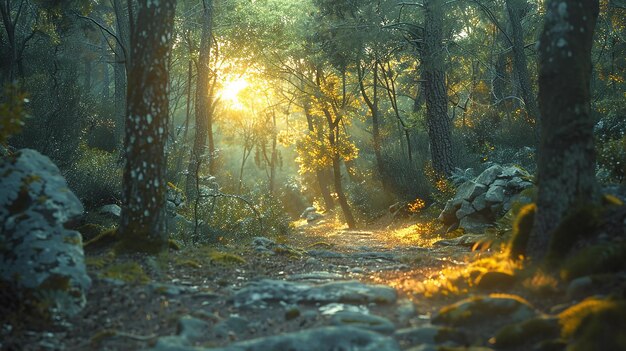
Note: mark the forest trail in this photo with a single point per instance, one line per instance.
(340, 287)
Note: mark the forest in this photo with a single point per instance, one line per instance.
(313, 175)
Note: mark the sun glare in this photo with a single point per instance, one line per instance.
(230, 92)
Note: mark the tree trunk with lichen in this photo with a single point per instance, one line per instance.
(142, 222)
(566, 165)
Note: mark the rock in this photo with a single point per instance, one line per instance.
(430, 334)
(490, 194)
(261, 243)
(319, 339)
(307, 211)
(495, 308)
(518, 184)
(363, 321)
(192, 328)
(489, 175)
(495, 281)
(325, 254)
(424, 347)
(474, 224)
(467, 240)
(480, 202)
(232, 324)
(405, 310)
(312, 217)
(267, 290)
(527, 333)
(448, 215)
(465, 210)
(579, 288)
(350, 292)
(112, 211)
(468, 191)
(315, 276)
(495, 194)
(373, 255)
(513, 171)
(37, 253)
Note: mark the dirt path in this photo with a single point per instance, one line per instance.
(320, 276)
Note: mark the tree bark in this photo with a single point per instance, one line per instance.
(202, 99)
(435, 90)
(142, 223)
(566, 165)
(520, 64)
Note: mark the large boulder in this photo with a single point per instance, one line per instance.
(479, 202)
(41, 259)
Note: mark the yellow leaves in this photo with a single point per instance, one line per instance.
(416, 206)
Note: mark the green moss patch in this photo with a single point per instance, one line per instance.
(225, 258)
(130, 272)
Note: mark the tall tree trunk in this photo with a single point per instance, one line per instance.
(516, 10)
(435, 90)
(372, 104)
(341, 196)
(322, 176)
(202, 98)
(566, 165)
(106, 80)
(142, 223)
(122, 64)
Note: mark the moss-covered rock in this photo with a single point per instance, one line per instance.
(528, 332)
(579, 224)
(595, 324)
(495, 280)
(225, 258)
(595, 259)
(486, 309)
(39, 256)
(522, 226)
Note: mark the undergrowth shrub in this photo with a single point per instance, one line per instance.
(95, 177)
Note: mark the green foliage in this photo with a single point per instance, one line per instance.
(12, 112)
(228, 218)
(367, 199)
(95, 177)
(522, 226)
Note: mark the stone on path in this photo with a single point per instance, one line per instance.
(363, 321)
(319, 339)
(268, 290)
(486, 309)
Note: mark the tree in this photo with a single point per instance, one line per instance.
(435, 90)
(566, 165)
(142, 223)
(516, 9)
(203, 100)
